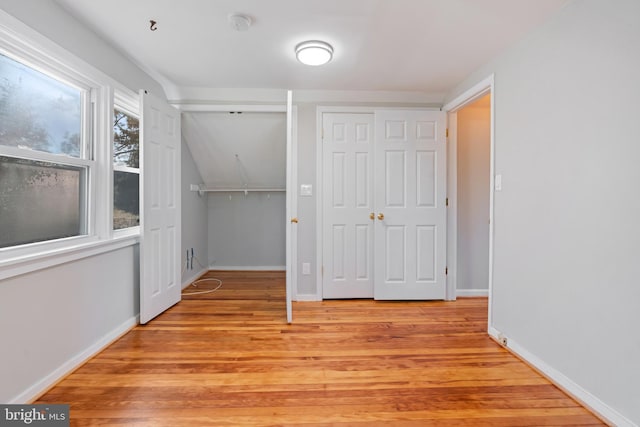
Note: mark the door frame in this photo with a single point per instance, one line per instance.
(291, 250)
(483, 87)
(319, 176)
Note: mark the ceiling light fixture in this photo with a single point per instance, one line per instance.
(314, 52)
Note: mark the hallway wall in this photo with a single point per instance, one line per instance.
(473, 168)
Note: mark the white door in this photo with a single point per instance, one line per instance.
(347, 150)
(291, 228)
(410, 194)
(160, 216)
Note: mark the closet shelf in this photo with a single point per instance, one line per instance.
(246, 191)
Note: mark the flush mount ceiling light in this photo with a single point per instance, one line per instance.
(314, 52)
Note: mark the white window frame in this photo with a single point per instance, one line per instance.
(128, 103)
(85, 160)
(29, 47)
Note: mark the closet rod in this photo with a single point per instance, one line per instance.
(240, 190)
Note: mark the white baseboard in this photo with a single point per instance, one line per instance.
(248, 267)
(461, 293)
(186, 282)
(37, 389)
(307, 297)
(596, 405)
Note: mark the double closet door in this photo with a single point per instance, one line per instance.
(384, 212)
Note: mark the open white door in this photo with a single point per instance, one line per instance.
(410, 194)
(160, 214)
(291, 235)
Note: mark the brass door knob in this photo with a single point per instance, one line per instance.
(380, 216)
(294, 220)
(372, 216)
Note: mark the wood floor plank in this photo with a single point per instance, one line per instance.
(228, 358)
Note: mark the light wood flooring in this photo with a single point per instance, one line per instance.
(229, 358)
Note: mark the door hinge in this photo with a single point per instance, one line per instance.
(446, 271)
(446, 202)
(447, 133)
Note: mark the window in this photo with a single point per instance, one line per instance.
(126, 170)
(58, 182)
(45, 161)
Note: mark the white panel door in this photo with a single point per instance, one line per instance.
(160, 216)
(410, 184)
(347, 150)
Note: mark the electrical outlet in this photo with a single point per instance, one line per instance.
(502, 339)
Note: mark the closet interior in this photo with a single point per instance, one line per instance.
(241, 158)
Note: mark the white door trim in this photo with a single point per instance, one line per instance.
(452, 195)
(291, 209)
(319, 194)
(292, 198)
(480, 89)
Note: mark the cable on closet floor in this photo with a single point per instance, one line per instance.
(195, 282)
(206, 291)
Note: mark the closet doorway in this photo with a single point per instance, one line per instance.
(241, 157)
(242, 154)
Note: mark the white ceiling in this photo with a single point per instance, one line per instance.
(425, 46)
(412, 49)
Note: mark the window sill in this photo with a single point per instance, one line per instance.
(45, 259)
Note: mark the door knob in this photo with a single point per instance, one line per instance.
(380, 216)
(294, 220)
(372, 216)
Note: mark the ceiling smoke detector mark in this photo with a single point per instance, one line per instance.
(240, 22)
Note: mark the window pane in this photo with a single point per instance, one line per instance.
(126, 135)
(126, 200)
(39, 201)
(37, 111)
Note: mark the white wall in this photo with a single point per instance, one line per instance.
(53, 318)
(49, 19)
(473, 168)
(307, 205)
(247, 231)
(567, 234)
(194, 220)
(49, 317)
(307, 173)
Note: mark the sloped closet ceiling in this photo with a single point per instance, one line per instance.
(239, 149)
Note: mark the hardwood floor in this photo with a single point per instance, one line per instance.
(228, 358)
